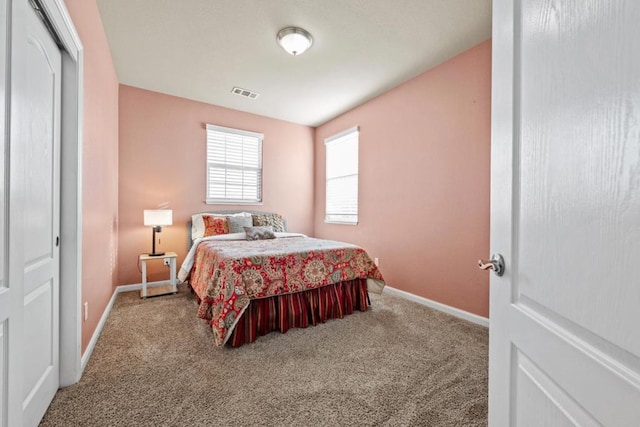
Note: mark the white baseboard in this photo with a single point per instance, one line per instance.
(105, 315)
(96, 334)
(474, 318)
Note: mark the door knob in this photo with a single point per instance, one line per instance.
(496, 263)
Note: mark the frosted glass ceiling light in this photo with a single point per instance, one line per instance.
(294, 40)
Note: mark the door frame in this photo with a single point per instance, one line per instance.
(70, 192)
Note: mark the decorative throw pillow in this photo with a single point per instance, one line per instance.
(197, 223)
(237, 223)
(259, 233)
(214, 225)
(274, 220)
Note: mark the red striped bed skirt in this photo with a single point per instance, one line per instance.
(299, 310)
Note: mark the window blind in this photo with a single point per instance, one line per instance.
(342, 177)
(234, 166)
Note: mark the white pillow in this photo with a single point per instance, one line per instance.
(197, 223)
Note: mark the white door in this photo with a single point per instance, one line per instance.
(565, 213)
(39, 170)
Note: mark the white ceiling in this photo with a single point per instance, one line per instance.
(201, 49)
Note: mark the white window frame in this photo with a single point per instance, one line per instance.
(346, 136)
(209, 165)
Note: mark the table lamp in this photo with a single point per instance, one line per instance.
(156, 218)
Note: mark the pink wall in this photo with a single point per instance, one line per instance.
(100, 165)
(162, 160)
(424, 181)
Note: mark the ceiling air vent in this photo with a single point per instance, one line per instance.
(244, 92)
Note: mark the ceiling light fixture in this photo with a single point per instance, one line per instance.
(294, 40)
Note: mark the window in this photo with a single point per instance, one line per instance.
(342, 177)
(234, 166)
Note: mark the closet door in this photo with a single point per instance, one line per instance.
(35, 206)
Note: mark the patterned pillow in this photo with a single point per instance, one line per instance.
(259, 233)
(214, 225)
(197, 223)
(237, 223)
(274, 220)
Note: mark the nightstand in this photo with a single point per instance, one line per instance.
(171, 288)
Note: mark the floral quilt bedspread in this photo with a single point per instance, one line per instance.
(226, 275)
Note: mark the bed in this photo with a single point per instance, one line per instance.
(248, 288)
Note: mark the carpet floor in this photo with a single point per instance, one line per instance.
(398, 364)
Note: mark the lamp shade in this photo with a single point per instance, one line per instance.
(294, 40)
(154, 217)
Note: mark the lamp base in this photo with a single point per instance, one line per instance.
(156, 254)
